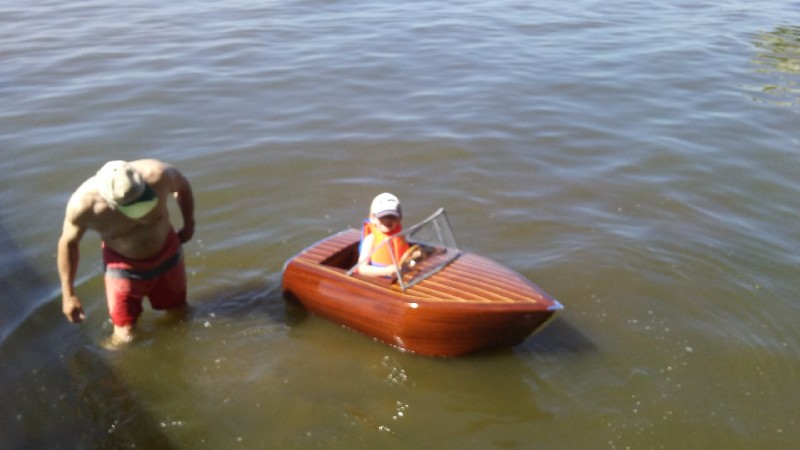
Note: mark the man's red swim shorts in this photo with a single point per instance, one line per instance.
(161, 278)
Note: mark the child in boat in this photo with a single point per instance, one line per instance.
(384, 223)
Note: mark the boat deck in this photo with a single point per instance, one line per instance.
(469, 278)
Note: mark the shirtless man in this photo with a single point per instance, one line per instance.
(126, 204)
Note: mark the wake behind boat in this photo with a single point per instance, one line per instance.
(442, 301)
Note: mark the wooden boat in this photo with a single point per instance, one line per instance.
(443, 302)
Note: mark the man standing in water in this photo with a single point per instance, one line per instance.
(126, 203)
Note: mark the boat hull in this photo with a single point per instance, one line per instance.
(473, 304)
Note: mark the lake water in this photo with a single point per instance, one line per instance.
(638, 160)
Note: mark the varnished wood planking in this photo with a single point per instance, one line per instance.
(450, 283)
(469, 305)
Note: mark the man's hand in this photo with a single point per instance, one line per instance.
(186, 233)
(73, 309)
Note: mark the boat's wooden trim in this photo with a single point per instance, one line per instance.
(476, 278)
(470, 278)
(327, 247)
(472, 304)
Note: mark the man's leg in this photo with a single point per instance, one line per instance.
(124, 306)
(168, 291)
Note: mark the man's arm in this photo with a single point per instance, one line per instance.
(68, 258)
(182, 190)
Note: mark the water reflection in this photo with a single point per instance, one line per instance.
(559, 337)
(22, 285)
(66, 393)
(115, 414)
(779, 56)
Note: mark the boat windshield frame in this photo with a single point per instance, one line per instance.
(434, 233)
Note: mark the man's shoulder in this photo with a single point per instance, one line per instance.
(148, 162)
(84, 202)
(150, 166)
(153, 170)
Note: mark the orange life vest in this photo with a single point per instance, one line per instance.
(383, 255)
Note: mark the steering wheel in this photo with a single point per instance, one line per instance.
(410, 257)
